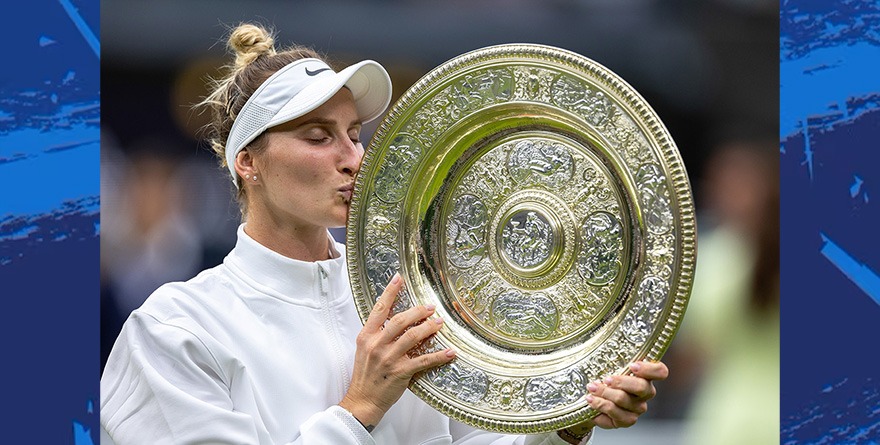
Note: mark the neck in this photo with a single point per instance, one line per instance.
(293, 241)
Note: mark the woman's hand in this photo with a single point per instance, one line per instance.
(621, 399)
(382, 368)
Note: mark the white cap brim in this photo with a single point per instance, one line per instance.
(301, 87)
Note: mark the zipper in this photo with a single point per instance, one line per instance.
(332, 325)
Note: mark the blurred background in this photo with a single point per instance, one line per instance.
(708, 67)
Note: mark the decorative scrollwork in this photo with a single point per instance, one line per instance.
(545, 393)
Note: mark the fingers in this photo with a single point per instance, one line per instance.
(620, 398)
(432, 360)
(635, 387)
(618, 408)
(415, 335)
(404, 320)
(383, 305)
(612, 415)
(650, 370)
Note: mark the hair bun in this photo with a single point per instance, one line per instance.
(249, 42)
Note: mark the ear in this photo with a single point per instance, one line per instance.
(244, 166)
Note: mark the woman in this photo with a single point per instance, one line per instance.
(267, 347)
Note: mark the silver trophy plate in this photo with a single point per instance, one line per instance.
(539, 202)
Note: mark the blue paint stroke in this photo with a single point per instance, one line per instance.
(81, 435)
(46, 41)
(856, 187)
(851, 73)
(82, 27)
(858, 273)
(808, 152)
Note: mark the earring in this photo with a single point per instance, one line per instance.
(255, 177)
(247, 176)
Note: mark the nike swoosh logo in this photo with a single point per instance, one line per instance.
(315, 73)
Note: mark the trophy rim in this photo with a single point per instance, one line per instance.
(661, 141)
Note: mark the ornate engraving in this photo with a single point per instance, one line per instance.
(655, 199)
(639, 322)
(538, 161)
(609, 356)
(653, 291)
(477, 90)
(596, 193)
(592, 105)
(381, 226)
(473, 294)
(510, 255)
(520, 220)
(506, 395)
(527, 238)
(602, 248)
(471, 93)
(461, 380)
(532, 84)
(426, 347)
(544, 393)
(401, 303)
(466, 231)
(382, 263)
(397, 168)
(526, 316)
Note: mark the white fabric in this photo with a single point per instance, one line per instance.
(301, 87)
(258, 350)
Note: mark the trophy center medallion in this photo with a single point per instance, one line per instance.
(527, 239)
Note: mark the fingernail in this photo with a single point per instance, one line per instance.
(396, 278)
(438, 320)
(450, 353)
(592, 387)
(430, 307)
(608, 381)
(635, 367)
(590, 398)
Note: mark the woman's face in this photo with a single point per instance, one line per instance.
(307, 170)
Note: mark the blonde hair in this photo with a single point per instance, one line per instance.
(255, 61)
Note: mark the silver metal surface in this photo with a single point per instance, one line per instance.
(537, 200)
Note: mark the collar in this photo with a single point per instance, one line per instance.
(291, 280)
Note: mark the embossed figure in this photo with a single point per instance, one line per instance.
(382, 263)
(654, 195)
(466, 232)
(525, 316)
(395, 171)
(541, 162)
(267, 348)
(592, 105)
(527, 241)
(468, 384)
(544, 393)
(599, 262)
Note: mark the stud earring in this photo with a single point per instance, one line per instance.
(255, 177)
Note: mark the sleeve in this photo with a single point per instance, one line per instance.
(466, 435)
(162, 385)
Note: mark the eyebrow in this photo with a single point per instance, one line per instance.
(324, 121)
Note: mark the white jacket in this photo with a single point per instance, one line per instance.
(258, 350)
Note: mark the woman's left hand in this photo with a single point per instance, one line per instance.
(621, 399)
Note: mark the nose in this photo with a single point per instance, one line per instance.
(352, 154)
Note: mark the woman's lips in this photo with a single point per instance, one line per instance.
(346, 192)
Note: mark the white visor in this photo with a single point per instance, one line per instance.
(301, 87)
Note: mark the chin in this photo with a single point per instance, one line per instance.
(339, 222)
